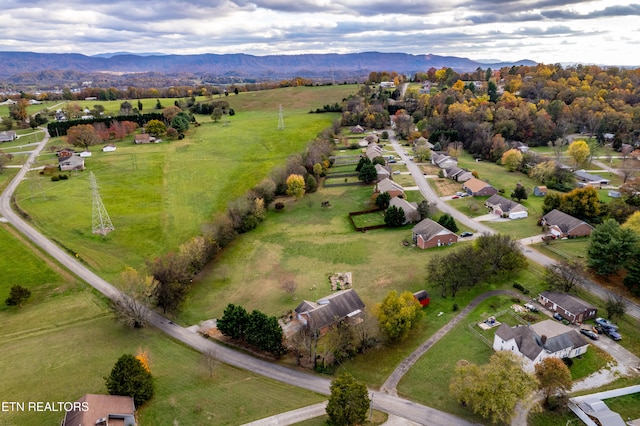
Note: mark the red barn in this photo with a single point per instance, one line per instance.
(423, 297)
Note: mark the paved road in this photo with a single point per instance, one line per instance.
(429, 194)
(401, 407)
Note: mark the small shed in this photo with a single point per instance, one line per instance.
(109, 148)
(540, 191)
(423, 297)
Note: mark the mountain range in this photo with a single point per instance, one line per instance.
(29, 67)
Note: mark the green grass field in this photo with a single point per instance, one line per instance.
(159, 195)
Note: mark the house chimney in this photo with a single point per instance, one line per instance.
(543, 339)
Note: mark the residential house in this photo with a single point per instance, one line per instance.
(65, 153)
(343, 305)
(571, 308)
(142, 138)
(585, 178)
(71, 163)
(429, 233)
(476, 187)
(356, 129)
(442, 160)
(373, 150)
(423, 141)
(8, 136)
(382, 171)
(101, 410)
(522, 147)
(391, 187)
(563, 225)
(506, 208)
(457, 174)
(411, 213)
(540, 191)
(538, 341)
(363, 143)
(109, 148)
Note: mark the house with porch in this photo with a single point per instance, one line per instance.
(563, 225)
(538, 341)
(382, 172)
(504, 207)
(457, 174)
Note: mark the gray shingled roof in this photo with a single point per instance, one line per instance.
(505, 204)
(331, 309)
(562, 220)
(526, 340)
(428, 228)
(568, 302)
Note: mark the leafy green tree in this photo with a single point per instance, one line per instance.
(368, 173)
(579, 152)
(349, 401)
(445, 271)
(379, 160)
(180, 122)
(551, 202)
(133, 307)
(17, 296)
(129, 377)
(493, 390)
(394, 216)
(173, 280)
(448, 222)
(544, 171)
(398, 314)
(233, 322)
(512, 159)
(519, 193)
(423, 209)
(610, 247)
(492, 91)
(382, 200)
(83, 135)
(583, 203)
(295, 185)
(156, 128)
(632, 279)
(554, 377)
(216, 114)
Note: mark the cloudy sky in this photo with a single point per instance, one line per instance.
(601, 31)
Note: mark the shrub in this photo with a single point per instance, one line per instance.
(279, 206)
(455, 307)
(63, 177)
(55, 178)
(519, 286)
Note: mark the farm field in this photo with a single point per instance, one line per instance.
(159, 195)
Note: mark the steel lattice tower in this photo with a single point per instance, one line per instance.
(280, 119)
(100, 220)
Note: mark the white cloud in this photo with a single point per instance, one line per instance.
(599, 31)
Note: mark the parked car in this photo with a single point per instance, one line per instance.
(606, 323)
(464, 194)
(589, 333)
(466, 234)
(397, 172)
(530, 307)
(558, 316)
(613, 333)
(455, 196)
(460, 193)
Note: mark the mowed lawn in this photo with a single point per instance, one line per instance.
(159, 195)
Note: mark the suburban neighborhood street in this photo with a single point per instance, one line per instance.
(384, 400)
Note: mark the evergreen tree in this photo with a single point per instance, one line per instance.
(368, 173)
(129, 377)
(448, 222)
(394, 216)
(610, 247)
(18, 295)
(233, 322)
(382, 200)
(519, 193)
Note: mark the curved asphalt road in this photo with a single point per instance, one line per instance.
(391, 404)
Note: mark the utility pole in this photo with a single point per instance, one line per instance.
(100, 220)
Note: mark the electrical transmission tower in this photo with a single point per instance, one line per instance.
(280, 120)
(100, 220)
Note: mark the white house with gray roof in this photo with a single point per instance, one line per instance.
(538, 341)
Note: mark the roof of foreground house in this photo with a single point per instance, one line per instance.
(330, 309)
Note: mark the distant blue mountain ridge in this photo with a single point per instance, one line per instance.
(239, 64)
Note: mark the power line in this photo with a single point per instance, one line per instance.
(100, 220)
